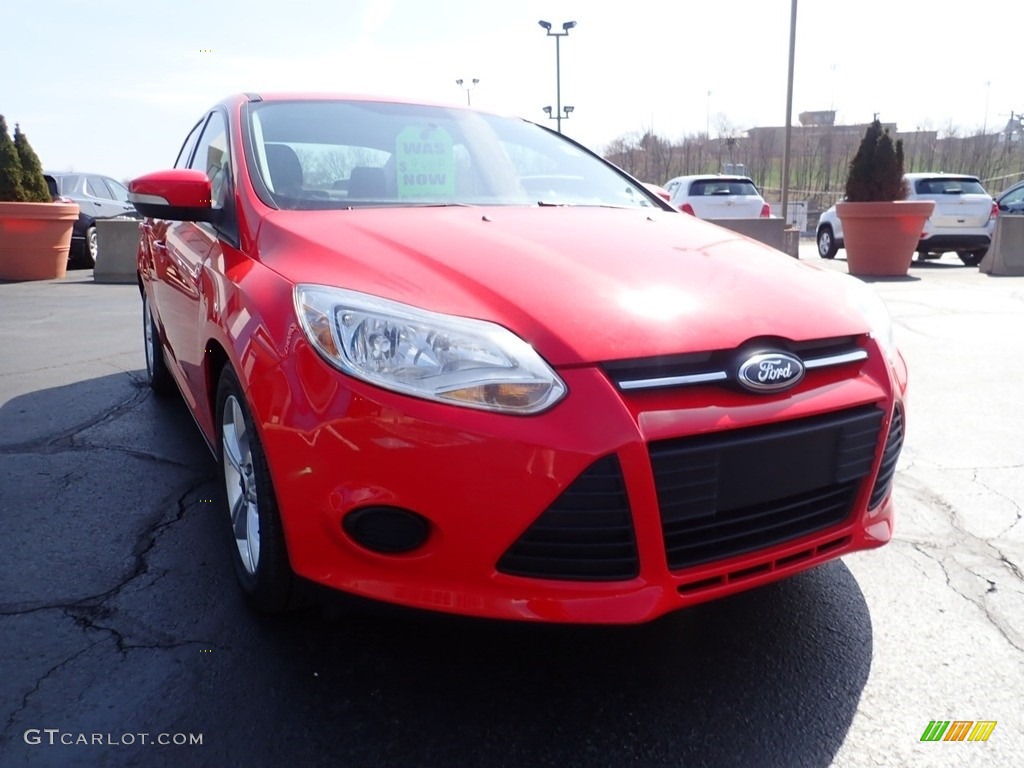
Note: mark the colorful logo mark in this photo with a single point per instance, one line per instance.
(958, 730)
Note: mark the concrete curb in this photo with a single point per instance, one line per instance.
(118, 249)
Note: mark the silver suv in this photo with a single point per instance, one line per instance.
(963, 219)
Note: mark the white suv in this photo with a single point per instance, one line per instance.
(963, 219)
(717, 196)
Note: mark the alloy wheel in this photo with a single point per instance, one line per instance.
(147, 335)
(240, 484)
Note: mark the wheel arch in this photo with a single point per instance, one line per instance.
(214, 361)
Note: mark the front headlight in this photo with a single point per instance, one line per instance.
(456, 360)
(871, 306)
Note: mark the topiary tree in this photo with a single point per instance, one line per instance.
(11, 190)
(33, 184)
(876, 171)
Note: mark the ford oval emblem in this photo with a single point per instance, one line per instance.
(770, 371)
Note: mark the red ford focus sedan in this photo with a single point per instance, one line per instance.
(452, 360)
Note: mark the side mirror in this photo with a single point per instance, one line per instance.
(181, 194)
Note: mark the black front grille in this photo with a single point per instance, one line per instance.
(721, 361)
(585, 535)
(893, 446)
(737, 491)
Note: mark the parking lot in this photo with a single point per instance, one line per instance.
(120, 617)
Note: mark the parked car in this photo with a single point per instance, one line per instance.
(963, 219)
(659, 190)
(98, 197)
(717, 196)
(1011, 200)
(453, 360)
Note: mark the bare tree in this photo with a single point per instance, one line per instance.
(820, 156)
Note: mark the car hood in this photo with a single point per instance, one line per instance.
(582, 284)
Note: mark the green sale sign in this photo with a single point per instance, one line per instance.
(426, 163)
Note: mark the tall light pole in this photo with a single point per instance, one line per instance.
(789, 114)
(468, 88)
(988, 91)
(558, 69)
(707, 119)
(705, 145)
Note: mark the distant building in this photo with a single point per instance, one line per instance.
(1014, 129)
(777, 134)
(825, 117)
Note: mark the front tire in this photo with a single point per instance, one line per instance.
(258, 549)
(92, 246)
(826, 243)
(157, 373)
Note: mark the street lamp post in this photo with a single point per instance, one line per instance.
(468, 88)
(988, 91)
(789, 113)
(565, 110)
(558, 70)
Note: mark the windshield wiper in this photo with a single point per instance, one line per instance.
(438, 205)
(548, 204)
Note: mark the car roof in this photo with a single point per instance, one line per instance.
(712, 176)
(940, 175)
(255, 97)
(79, 173)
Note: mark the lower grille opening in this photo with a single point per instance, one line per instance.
(700, 586)
(745, 530)
(795, 558)
(768, 566)
(738, 491)
(585, 535)
(890, 456)
(746, 573)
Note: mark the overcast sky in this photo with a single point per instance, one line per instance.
(113, 87)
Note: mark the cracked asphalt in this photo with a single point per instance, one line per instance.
(120, 623)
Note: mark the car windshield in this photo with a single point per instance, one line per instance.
(956, 186)
(346, 154)
(702, 187)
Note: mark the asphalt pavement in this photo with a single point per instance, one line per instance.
(125, 641)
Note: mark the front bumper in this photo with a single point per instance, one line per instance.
(512, 501)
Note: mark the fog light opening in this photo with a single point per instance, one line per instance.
(386, 530)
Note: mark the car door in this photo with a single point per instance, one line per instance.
(102, 204)
(1012, 201)
(179, 260)
(119, 194)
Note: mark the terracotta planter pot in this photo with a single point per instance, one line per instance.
(34, 240)
(880, 238)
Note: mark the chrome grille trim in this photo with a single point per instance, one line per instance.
(825, 362)
(674, 381)
(718, 374)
